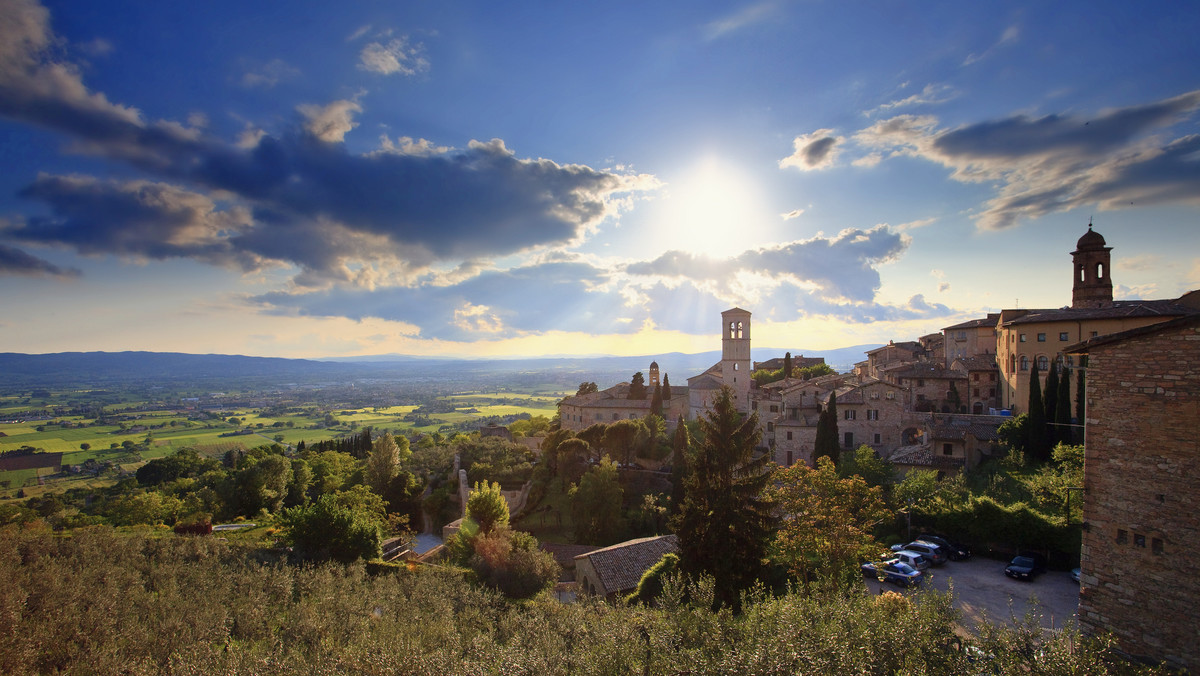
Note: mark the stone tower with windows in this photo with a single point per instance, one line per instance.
(653, 376)
(1092, 261)
(735, 355)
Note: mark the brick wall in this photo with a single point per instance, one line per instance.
(1141, 545)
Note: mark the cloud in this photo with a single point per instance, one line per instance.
(299, 195)
(1055, 163)
(747, 16)
(330, 122)
(839, 267)
(137, 219)
(1008, 37)
(269, 74)
(932, 94)
(15, 262)
(794, 213)
(817, 150)
(397, 56)
(913, 225)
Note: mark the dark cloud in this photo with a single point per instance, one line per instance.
(1057, 162)
(481, 201)
(16, 262)
(817, 150)
(841, 266)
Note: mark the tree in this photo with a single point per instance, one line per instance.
(637, 387)
(339, 526)
(726, 519)
(586, 388)
(866, 464)
(1014, 433)
(383, 462)
(572, 457)
(593, 435)
(1038, 445)
(1050, 404)
(826, 530)
(85, 446)
(487, 506)
(596, 505)
(681, 445)
(656, 401)
(651, 585)
(826, 444)
(666, 388)
(787, 365)
(953, 398)
(1062, 411)
(624, 437)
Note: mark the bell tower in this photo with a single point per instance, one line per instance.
(735, 355)
(653, 376)
(1092, 286)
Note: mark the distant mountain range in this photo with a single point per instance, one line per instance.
(100, 368)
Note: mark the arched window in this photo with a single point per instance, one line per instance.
(1024, 363)
(1012, 363)
(1043, 364)
(1079, 268)
(1099, 271)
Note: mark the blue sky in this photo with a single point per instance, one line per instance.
(301, 179)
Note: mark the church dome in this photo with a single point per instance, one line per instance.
(1091, 240)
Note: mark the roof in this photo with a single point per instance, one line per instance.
(1119, 309)
(622, 565)
(989, 320)
(565, 555)
(978, 362)
(1091, 240)
(922, 456)
(932, 370)
(908, 346)
(1091, 343)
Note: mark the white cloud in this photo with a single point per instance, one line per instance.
(794, 213)
(932, 94)
(331, 122)
(744, 17)
(397, 56)
(818, 150)
(269, 74)
(1009, 36)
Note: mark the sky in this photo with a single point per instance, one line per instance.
(482, 179)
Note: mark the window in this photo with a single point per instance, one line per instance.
(1095, 333)
(976, 395)
(1041, 337)
(770, 427)
(632, 416)
(774, 408)
(878, 439)
(614, 416)
(890, 395)
(754, 405)
(849, 414)
(1024, 363)
(789, 457)
(1064, 336)
(1139, 540)
(947, 449)
(1043, 363)
(849, 439)
(1122, 537)
(992, 392)
(873, 414)
(1156, 545)
(789, 438)
(975, 377)
(1022, 337)
(920, 382)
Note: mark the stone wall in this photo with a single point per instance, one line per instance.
(1141, 571)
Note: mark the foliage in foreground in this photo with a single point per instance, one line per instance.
(98, 603)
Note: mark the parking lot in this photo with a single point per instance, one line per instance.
(982, 592)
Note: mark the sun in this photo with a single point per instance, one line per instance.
(712, 208)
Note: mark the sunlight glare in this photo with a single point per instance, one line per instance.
(714, 209)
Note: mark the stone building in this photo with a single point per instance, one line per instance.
(613, 572)
(1141, 530)
(613, 404)
(975, 338)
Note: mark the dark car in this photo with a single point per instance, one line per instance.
(1025, 567)
(955, 550)
(893, 571)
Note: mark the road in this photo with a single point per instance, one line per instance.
(983, 592)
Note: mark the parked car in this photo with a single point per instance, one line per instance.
(894, 571)
(912, 558)
(1025, 567)
(955, 550)
(1075, 573)
(929, 550)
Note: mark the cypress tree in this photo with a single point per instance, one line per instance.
(1050, 404)
(666, 387)
(656, 401)
(726, 521)
(826, 443)
(680, 445)
(1062, 412)
(637, 387)
(787, 365)
(1037, 445)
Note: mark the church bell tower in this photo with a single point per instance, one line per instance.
(735, 355)
(1092, 286)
